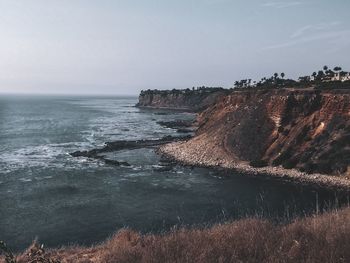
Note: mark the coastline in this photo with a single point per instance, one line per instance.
(192, 157)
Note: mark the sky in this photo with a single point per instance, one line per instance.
(121, 47)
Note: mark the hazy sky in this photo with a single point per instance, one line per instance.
(121, 47)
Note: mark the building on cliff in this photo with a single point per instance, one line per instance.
(341, 76)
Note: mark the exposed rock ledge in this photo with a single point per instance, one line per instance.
(181, 153)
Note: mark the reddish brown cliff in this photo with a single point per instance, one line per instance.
(304, 129)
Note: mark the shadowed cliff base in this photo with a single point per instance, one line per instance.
(321, 238)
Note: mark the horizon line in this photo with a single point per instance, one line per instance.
(66, 94)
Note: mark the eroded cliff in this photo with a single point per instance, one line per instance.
(304, 129)
(187, 99)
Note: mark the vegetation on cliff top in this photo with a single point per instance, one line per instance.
(324, 78)
(197, 90)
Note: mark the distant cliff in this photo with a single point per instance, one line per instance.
(308, 130)
(187, 99)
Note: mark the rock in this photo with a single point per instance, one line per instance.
(184, 130)
(125, 145)
(114, 162)
(176, 124)
(128, 145)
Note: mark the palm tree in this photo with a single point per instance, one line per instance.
(282, 75)
(325, 68)
(320, 73)
(275, 75)
(330, 73)
(338, 71)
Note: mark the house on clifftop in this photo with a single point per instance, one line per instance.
(341, 76)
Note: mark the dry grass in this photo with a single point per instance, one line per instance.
(324, 238)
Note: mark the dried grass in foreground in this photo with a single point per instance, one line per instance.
(324, 238)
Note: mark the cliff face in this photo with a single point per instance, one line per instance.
(308, 130)
(193, 100)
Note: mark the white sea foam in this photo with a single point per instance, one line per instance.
(43, 156)
(31, 155)
(157, 166)
(137, 168)
(25, 180)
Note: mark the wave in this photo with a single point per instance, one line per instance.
(41, 156)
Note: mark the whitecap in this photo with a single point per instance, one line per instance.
(137, 168)
(157, 166)
(25, 180)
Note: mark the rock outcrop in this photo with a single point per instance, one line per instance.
(191, 100)
(308, 130)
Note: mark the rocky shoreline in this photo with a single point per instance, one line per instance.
(185, 156)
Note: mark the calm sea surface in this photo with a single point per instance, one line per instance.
(46, 193)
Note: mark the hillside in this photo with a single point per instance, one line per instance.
(304, 129)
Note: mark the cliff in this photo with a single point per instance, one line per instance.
(308, 130)
(192, 100)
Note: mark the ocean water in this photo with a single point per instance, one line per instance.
(47, 194)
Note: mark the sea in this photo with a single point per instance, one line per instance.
(48, 195)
